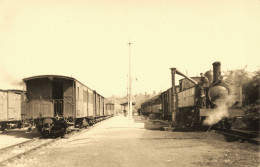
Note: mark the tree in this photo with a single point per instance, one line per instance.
(237, 77)
(252, 89)
(250, 83)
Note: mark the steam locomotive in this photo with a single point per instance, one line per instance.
(193, 104)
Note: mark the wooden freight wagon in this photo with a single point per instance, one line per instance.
(11, 107)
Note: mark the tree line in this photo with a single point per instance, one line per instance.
(250, 82)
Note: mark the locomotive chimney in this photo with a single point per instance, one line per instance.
(216, 71)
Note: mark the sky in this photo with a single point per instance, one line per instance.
(88, 40)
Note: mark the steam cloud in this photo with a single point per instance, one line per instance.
(13, 81)
(221, 111)
(216, 115)
(8, 81)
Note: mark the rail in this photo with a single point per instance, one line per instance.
(233, 135)
(8, 154)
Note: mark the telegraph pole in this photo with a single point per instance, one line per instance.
(130, 85)
(127, 94)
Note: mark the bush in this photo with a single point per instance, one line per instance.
(252, 118)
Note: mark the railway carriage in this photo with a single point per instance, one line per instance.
(55, 103)
(160, 105)
(146, 108)
(113, 108)
(152, 106)
(168, 103)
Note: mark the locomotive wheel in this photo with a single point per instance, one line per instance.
(225, 124)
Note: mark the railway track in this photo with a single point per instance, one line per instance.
(239, 135)
(10, 153)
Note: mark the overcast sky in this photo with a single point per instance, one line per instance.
(88, 40)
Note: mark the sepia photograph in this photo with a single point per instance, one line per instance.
(130, 83)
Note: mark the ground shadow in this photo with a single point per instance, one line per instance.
(21, 133)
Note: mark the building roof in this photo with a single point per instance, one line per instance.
(126, 103)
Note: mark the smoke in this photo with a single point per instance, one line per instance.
(9, 81)
(221, 111)
(12, 80)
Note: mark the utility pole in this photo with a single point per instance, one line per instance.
(130, 85)
(127, 94)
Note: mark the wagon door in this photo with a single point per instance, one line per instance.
(3, 106)
(98, 104)
(57, 96)
(14, 106)
(68, 99)
(91, 111)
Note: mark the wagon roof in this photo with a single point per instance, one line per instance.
(15, 90)
(46, 76)
(151, 99)
(12, 90)
(56, 76)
